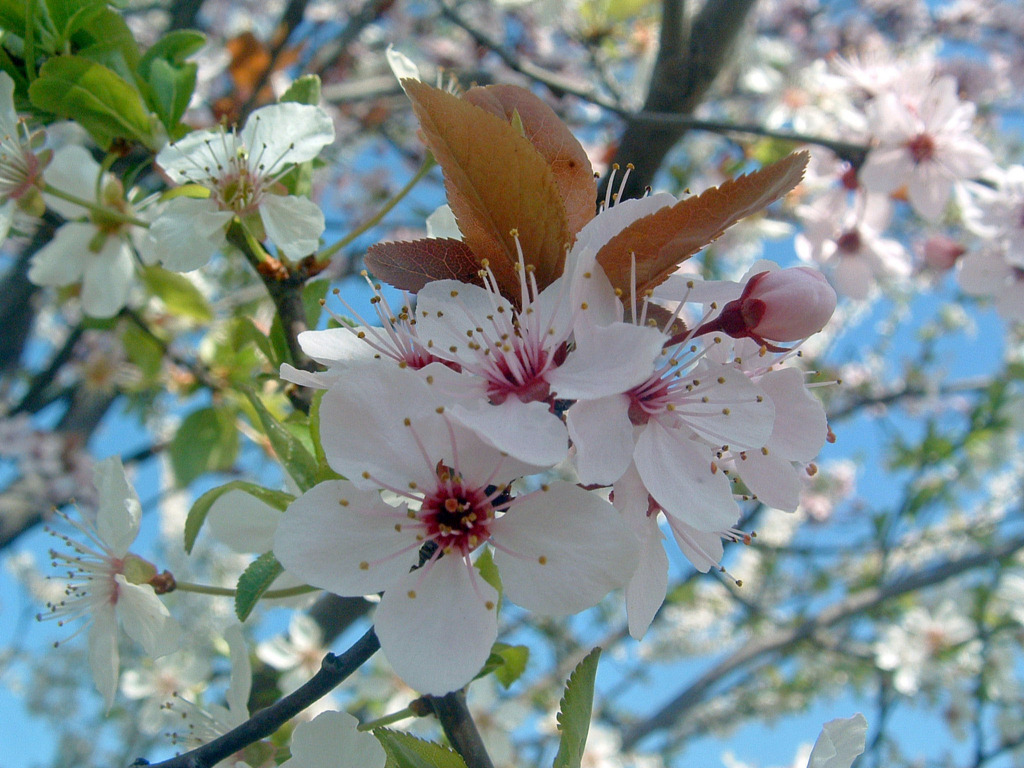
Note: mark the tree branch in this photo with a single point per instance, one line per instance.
(333, 672)
(458, 725)
(854, 605)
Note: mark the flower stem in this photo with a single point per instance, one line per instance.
(94, 207)
(394, 717)
(327, 253)
(205, 589)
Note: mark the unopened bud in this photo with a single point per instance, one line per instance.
(782, 305)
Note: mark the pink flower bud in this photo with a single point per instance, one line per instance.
(941, 252)
(784, 305)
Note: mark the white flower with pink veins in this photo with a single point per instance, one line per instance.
(387, 429)
(514, 363)
(923, 142)
(848, 243)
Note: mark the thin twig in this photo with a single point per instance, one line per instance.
(333, 671)
(458, 725)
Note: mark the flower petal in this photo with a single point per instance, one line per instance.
(437, 624)
(243, 522)
(294, 224)
(603, 436)
(526, 431)
(146, 619)
(331, 740)
(562, 536)
(677, 472)
(120, 511)
(187, 234)
(107, 278)
(607, 360)
(60, 261)
(285, 133)
(332, 531)
(104, 660)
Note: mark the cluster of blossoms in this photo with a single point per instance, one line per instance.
(450, 419)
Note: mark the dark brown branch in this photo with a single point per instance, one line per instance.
(458, 725)
(333, 672)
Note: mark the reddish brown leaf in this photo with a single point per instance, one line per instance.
(412, 264)
(496, 183)
(666, 238)
(552, 138)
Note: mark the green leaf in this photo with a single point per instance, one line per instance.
(95, 96)
(507, 662)
(297, 461)
(70, 15)
(143, 350)
(305, 90)
(254, 581)
(574, 712)
(489, 572)
(244, 330)
(197, 515)
(206, 441)
(177, 292)
(106, 38)
(173, 48)
(406, 751)
(313, 294)
(171, 88)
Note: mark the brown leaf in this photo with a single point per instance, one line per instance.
(496, 183)
(412, 264)
(552, 138)
(668, 237)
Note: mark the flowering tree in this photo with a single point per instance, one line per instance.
(583, 410)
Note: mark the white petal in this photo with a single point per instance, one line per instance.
(447, 310)
(119, 513)
(612, 220)
(6, 217)
(103, 657)
(187, 234)
(854, 277)
(647, 588)
(72, 170)
(441, 223)
(562, 536)
(243, 522)
(335, 345)
(62, 260)
(240, 687)
(725, 407)
(677, 473)
(607, 360)
(526, 431)
(312, 379)
(286, 133)
(839, 743)
(146, 619)
(331, 740)
(773, 479)
(603, 437)
(358, 435)
(107, 278)
(983, 273)
(437, 624)
(198, 156)
(325, 541)
(800, 426)
(402, 67)
(702, 548)
(293, 224)
(929, 189)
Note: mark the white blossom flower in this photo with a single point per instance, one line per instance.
(298, 656)
(331, 740)
(98, 252)
(240, 171)
(20, 168)
(924, 143)
(107, 584)
(387, 429)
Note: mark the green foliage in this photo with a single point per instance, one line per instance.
(290, 450)
(507, 662)
(206, 441)
(575, 710)
(304, 90)
(254, 581)
(197, 515)
(178, 293)
(406, 751)
(169, 78)
(95, 96)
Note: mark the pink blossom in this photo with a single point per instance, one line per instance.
(782, 305)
